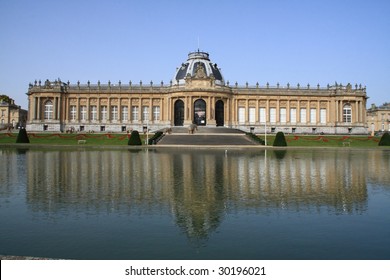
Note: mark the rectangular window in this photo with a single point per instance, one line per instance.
(293, 115)
(125, 113)
(252, 115)
(48, 110)
(347, 114)
(83, 113)
(103, 116)
(145, 113)
(272, 115)
(114, 113)
(283, 115)
(93, 113)
(323, 116)
(313, 115)
(241, 115)
(262, 115)
(134, 113)
(73, 112)
(156, 113)
(303, 115)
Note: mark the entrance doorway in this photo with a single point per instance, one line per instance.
(219, 113)
(200, 112)
(179, 113)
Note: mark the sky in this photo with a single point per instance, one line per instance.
(279, 41)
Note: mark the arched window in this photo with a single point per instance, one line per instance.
(347, 113)
(48, 110)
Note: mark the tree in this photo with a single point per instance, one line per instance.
(280, 140)
(135, 139)
(385, 140)
(22, 136)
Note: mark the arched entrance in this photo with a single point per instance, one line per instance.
(179, 113)
(200, 112)
(219, 113)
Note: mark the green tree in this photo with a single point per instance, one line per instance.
(280, 140)
(385, 140)
(22, 136)
(135, 139)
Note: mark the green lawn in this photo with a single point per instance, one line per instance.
(360, 141)
(70, 139)
(98, 139)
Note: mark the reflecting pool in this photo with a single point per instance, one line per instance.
(166, 203)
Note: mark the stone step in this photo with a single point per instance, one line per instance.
(207, 139)
(207, 130)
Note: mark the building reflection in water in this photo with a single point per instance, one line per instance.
(200, 187)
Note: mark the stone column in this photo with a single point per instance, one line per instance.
(140, 110)
(98, 109)
(357, 118)
(247, 111)
(318, 112)
(58, 108)
(109, 110)
(150, 114)
(191, 108)
(288, 111)
(34, 117)
(162, 111)
(78, 110)
(308, 114)
(129, 111)
(54, 108)
(87, 118)
(39, 109)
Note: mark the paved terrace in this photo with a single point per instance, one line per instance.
(218, 136)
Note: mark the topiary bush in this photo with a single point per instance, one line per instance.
(280, 140)
(385, 140)
(22, 136)
(135, 139)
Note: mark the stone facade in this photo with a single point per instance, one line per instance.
(198, 94)
(11, 115)
(378, 118)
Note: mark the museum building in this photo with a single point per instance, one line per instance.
(197, 94)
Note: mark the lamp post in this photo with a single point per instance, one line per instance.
(147, 128)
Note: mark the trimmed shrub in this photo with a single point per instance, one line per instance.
(385, 140)
(22, 136)
(280, 140)
(135, 139)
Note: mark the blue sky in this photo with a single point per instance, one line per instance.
(251, 41)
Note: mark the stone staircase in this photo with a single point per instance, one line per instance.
(207, 136)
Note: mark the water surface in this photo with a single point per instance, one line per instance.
(80, 203)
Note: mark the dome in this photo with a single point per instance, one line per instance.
(190, 67)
